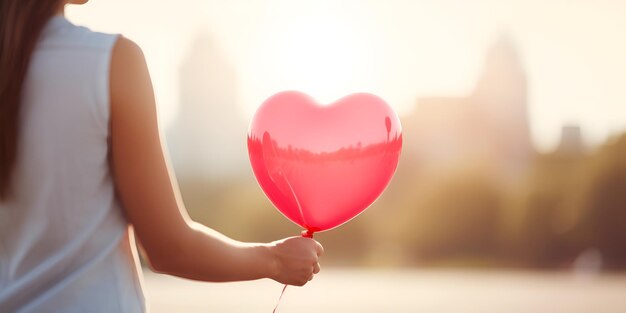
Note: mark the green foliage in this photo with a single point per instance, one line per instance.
(604, 204)
(457, 217)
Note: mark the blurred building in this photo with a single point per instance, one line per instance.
(490, 125)
(208, 139)
(571, 141)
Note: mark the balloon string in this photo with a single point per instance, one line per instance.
(306, 234)
(297, 201)
(281, 296)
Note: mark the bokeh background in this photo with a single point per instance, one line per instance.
(510, 195)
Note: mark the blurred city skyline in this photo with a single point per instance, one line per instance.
(401, 50)
(470, 183)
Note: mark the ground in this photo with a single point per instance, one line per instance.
(399, 291)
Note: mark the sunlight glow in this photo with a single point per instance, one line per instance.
(324, 55)
(397, 49)
(320, 59)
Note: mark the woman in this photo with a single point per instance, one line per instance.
(82, 169)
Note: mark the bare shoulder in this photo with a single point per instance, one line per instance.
(126, 50)
(129, 76)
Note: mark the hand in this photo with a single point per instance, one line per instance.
(296, 260)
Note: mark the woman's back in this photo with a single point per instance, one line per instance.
(78, 131)
(64, 243)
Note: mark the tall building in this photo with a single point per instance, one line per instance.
(571, 141)
(488, 125)
(208, 139)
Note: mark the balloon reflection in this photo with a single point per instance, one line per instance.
(290, 141)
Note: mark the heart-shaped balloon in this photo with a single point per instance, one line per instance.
(323, 165)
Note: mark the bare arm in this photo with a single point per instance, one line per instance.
(174, 244)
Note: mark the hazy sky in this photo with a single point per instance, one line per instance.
(574, 52)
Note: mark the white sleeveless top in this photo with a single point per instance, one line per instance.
(64, 242)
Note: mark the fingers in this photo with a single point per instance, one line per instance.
(307, 275)
(298, 257)
(318, 248)
(316, 268)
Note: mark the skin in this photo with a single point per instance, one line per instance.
(173, 243)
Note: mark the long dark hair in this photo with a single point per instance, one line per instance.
(21, 21)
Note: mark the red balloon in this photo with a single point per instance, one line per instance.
(323, 165)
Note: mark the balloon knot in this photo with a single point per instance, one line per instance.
(307, 233)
